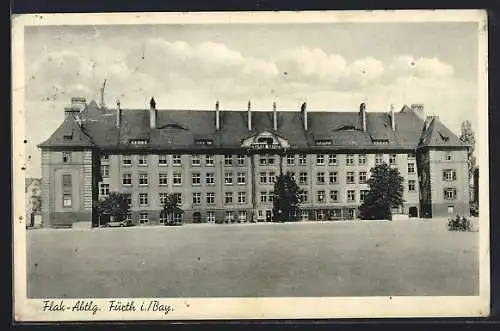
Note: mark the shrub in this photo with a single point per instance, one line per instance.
(459, 224)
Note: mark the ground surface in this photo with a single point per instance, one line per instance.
(248, 260)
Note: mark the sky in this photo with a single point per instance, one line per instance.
(332, 66)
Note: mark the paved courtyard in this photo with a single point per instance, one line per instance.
(254, 260)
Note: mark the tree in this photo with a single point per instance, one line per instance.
(171, 207)
(286, 199)
(386, 193)
(115, 205)
(467, 136)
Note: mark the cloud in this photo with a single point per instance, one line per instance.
(425, 68)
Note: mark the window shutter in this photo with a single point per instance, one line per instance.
(444, 174)
(454, 175)
(454, 193)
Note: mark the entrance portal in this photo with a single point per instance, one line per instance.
(196, 217)
(413, 212)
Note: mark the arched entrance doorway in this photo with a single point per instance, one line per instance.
(196, 217)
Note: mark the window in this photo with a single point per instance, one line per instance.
(263, 197)
(196, 198)
(209, 160)
(204, 142)
(411, 155)
(143, 160)
(290, 159)
(449, 175)
(143, 199)
(362, 177)
(241, 178)
(229, 217)
(263, 178)
(105, 171)
(332, 159)
(196, 178)
(242, 197)
(177, 178)
(228, 160)
(67, 188)
(450, 193)
(163, 179)
(321, 196)
(143, 179)
(177, 217)
(127, 179)
(333, 177)
(104, 189)
(302, 159)
(291, 174)
(379, 159)
(210, 198)
(104, 157)
(176, 160)
(323, 142)
(272, 177)
(195, 160)
(162, 160)
(228, 198)
(304, 196)
(362, 195)
(271, 160)
(303, 178)
(178, 197)
(163, 198)
(210, 216)
(128, 197)
(66, 157)
(320, 178)
(411, 185)
(163, 218)
(351, 196)
(210, 178)
(448, 156)
(392, 159)
(242, 216)
(128, 218)
(349, 177)
(362, 159)
(262, 160)
(143, 218)
(320, 215)
(349, 159)
(126, 160)
(138, 141)
(304, 215)
(228, 178)
(240, 159)
(334, 196)
(411, 168)
(271, 196)
(320, 159)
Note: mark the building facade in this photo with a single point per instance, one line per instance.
(222, 164)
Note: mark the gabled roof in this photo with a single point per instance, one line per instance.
(178, 129)
(435, 134)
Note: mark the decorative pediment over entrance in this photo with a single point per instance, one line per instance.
(265, 140)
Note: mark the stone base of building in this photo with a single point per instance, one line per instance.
(65, 219)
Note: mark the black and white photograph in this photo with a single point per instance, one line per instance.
(250, 165)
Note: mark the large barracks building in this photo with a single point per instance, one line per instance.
(222, 164)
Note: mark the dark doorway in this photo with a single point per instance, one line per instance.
(196, 217)
(268, 216)
(413, 211)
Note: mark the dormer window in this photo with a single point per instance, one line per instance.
(380, 141)
(323, 142)
(267, 141)
(139, 141)
(68, 137)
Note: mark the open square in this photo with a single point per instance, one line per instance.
(361, 258)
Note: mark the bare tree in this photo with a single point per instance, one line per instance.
(467, 136)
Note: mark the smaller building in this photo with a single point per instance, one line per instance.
(33, 201)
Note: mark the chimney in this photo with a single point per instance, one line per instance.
(217, 116)
(303, 110)
(77, 105)
(275, 117)
(362, 115)
(418, 108)
(393, 119)
(152, 113)
(428, 120)
(249, 116)
(118, 114)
